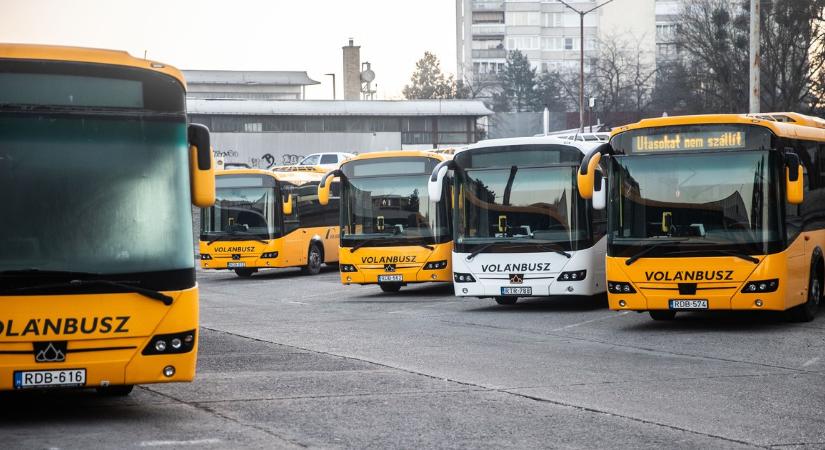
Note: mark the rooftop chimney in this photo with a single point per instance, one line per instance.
(352, 71)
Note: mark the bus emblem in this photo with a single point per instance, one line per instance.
(389, 267)
(50, 352)
(516, 278)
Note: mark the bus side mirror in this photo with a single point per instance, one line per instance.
(793, 179)
(201, 166)
(599, 190)
(325, 184)
(586, 175)
(287, 205)
(435, 185)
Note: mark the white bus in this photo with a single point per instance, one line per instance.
(520, 227)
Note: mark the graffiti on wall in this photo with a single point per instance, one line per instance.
(265, 161)
(290, 158)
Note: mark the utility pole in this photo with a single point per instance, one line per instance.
(581, 14)
(754, 58)
(333, 83)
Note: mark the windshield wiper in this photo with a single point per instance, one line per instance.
(365, 242)
(154, 295)
(647, 250)
(744, 256)
(553, 248)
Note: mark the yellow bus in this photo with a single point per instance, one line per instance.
(264, 219)
(713, 212)
(392, 232)
(98, 168)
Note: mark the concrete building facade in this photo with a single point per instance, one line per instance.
(268, 133)
(249, 84)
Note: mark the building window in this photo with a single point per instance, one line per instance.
(523, 43)
(253, 127)
(523, 19)
(568, 43)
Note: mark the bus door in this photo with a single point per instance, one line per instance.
(294, 250)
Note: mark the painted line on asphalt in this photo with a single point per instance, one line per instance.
(612, 316)
(811, 362)
(178, 443)
(297, 303)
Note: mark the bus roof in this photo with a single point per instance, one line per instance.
(87, 55)
(400, 154)
(584, 146)
(297, 178)
(790, 125)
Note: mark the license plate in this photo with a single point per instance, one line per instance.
(233, 265)
(516, 290)
(383, 278)
(49, 378)
(688, 304)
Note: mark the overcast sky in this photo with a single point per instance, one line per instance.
(248, 34)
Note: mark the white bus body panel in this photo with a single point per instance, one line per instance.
(540, 271)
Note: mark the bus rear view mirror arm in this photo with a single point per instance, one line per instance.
(794, 187)
(201, 166)
(435, 184)
(325, 184)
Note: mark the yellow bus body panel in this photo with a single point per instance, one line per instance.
(656, 280)
(409, 262)
(98, 328)
(292, 249)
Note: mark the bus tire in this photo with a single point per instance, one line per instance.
(506, 300)
(245, 273)
(315, 257)
(662, 314)
(121, 390)
(390, 287)
(807, 311)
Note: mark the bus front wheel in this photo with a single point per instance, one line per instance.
(314, 260)
(245, 273)
(506, 300)
(662, 314)
(807, 311)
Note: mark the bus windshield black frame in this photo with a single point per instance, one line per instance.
(402, 213)
(253, 207)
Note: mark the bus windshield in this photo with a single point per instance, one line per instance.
(690, 202)
(244, 208)
(103, 195)
(393, 208)
(537, 205)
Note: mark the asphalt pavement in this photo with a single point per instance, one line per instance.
(291, 361)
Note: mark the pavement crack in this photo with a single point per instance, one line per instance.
(207, 409)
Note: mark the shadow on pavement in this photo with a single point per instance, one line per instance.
(725, 321)
(375, 295)
(71, 405)
(566, 303)
(264, 274)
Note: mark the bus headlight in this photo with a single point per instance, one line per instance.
(269, 255)
(463, 278)
(435, 265)
(206, 256)
(758, 287)
(347, 268)
(620, 287)
(166, 344)
(576, 275)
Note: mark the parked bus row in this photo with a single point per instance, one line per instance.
(100, 166)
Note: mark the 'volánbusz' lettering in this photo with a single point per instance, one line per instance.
(387, 259)
(690, 275)
(65, 326)
(516, 268)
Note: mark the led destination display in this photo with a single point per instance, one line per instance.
(689, 141)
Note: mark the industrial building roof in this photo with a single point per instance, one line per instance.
(338, 107)
(249, 77)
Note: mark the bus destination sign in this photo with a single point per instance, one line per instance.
(701, 140)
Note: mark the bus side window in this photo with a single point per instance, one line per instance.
(292, 221)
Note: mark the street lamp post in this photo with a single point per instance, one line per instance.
(581, 55)
(333, 83)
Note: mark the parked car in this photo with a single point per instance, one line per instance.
(325, 160)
